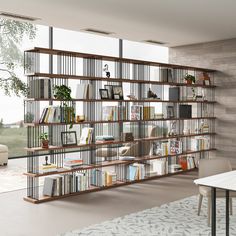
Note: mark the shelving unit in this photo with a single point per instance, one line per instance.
(136, 77)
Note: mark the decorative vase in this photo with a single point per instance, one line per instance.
(45, 143)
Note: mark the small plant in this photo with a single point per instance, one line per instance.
(43, 136)
(62, 92)
(190, 79)
(44, 139)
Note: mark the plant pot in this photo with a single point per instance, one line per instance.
(189, 81)
(45, 143)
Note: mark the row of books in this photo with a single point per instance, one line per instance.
(57, 114)
(40, 88)
(65, 184)
(139, 112)
(200, 143)
(102, 178)
(168, 147)
(113, 113)
(136, 171)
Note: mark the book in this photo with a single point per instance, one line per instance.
(148, 113)
(136, 112)
(84, 91)
(86, 135)
(40, 88)
(49, 186)
(176, 146)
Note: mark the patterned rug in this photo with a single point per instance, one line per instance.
(177, 218)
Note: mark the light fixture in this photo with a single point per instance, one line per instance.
(96, 31)
(17, 16)
(154, 42)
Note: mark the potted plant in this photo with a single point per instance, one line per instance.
(44, 140)
(190, 79)
(63, 92)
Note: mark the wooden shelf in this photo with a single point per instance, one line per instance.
(115, 142)
(115, 59)
(120, 80)
(113, 163)
(94, 188)
(113, 100)
(119, 121)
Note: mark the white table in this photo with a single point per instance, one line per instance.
(225, 181)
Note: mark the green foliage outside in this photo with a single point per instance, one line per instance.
(15, 139)
(12, 33)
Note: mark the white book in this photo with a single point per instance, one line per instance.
(86, 135)
(80, 88)
(51, 114)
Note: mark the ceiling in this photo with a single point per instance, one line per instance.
(175, 22)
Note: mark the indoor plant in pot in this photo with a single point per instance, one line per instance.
(44, 139)
(190, 79)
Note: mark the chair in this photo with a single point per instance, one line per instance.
(208, 167)
(3, 154)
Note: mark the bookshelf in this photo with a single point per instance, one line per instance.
(162, 140)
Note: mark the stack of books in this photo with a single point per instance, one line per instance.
(104, 138)
(48, 168)
(72, 164)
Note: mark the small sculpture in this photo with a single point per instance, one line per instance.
(131, 97)
(172, 129)
(150, 94)
(105, 69)
(46, 161)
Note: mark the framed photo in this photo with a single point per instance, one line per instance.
(170, 111)
(110, 91)
(117, 89)
(117, 96)
(104, 93)
(68, 138)
(207, 82)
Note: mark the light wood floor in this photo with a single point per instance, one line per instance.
(19, 218)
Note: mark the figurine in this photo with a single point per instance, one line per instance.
(150, 94)
(131, 97)
(108, 74)
(46, 161)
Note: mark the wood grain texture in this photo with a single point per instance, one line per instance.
(220, 56)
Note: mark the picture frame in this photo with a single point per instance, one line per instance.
(68, 138)
(170, 112)
(104, 93)
(117, 89)
(207, 82)
(110, 91)
(116, 96)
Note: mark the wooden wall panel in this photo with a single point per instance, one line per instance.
(221, 56)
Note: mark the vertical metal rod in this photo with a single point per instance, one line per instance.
(213, 211)
(227, 212)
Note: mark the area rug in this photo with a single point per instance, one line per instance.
(177, 218)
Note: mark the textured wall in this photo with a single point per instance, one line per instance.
(221, 56)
